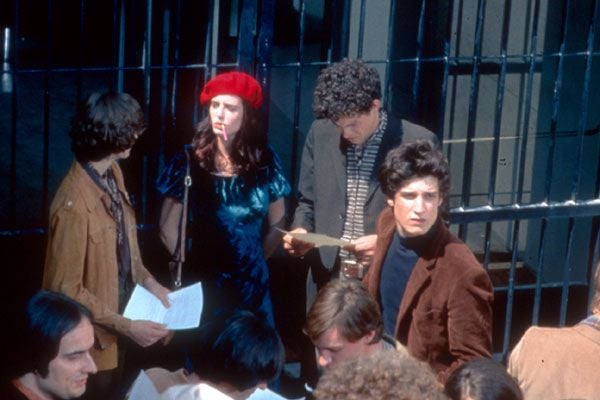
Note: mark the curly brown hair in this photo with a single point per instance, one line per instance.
(346, 89)
(386, 375)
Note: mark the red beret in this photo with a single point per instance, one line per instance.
(235, 83)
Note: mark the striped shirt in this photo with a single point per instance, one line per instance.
(360, 161)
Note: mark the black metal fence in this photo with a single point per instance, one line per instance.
(510, 87)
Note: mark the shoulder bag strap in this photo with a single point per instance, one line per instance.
(181, 238)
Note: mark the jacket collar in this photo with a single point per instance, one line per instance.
(92, 195)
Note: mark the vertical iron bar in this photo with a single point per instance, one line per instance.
(115, 46)
(147, 71)
(459, 18)
(297, 95)
(497, 126)
(81, 47)
(473, 98)
(146, 58)
(340, 31)
(510, 293)
(164, 82)
(444, 87)
(121, 48)
(527, 103)
(556, 103)
(14, 111)
(564, 299)
(361, 29)
(390, 39)
(584, 103)
(594, 258)
(265, 50)
(46, 150)
(420, 34)
(537, 300)
(523, 151)
(207, 58)
(246, 48)
(173, 99)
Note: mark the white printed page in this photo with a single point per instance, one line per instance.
(186, 308)
(184, 312)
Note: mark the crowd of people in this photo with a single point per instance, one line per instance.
(403, 310)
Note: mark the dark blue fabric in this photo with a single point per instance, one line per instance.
(397, 267)
(227, 222)
(400, 260)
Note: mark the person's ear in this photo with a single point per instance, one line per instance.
(376, 104)
(368, 338)
(391, 202)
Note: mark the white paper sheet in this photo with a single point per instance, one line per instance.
(265, 394)
(143, 388)
(184, 313)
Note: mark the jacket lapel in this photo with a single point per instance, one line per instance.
(392, 137)
(338, 158)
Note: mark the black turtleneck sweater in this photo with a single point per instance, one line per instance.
(400, 260)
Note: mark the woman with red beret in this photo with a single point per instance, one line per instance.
(236, 199)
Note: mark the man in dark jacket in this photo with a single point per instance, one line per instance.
(434, 295)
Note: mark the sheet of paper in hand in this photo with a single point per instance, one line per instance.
(184, 313)
(318, 239)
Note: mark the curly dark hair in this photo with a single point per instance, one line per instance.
(386, 375)
(346, 89)
(105, 124)
(410, 160)
(248, 147)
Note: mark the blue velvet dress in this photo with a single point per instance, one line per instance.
(227, 225)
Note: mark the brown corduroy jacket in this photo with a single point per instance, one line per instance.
(81, 256)
(445, 315)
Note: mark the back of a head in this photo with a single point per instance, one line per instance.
(242, 351)
(106, 123)
(347, 305)
(382, 376)
(482, 379)
(48, 317)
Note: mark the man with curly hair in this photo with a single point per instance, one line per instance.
(338, 190)
(383, 375)
(92, 254)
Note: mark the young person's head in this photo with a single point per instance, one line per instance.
(57, 337)
(415, 177)
(238, 354)
(482, 379)
(234, 100)
(344, 322)
(349, 94)
(106, 124)
(383, 375)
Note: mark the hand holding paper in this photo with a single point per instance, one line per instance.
(184, 313)
(317, 239)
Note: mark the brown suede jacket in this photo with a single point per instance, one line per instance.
(445, 316)
(81, 256)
